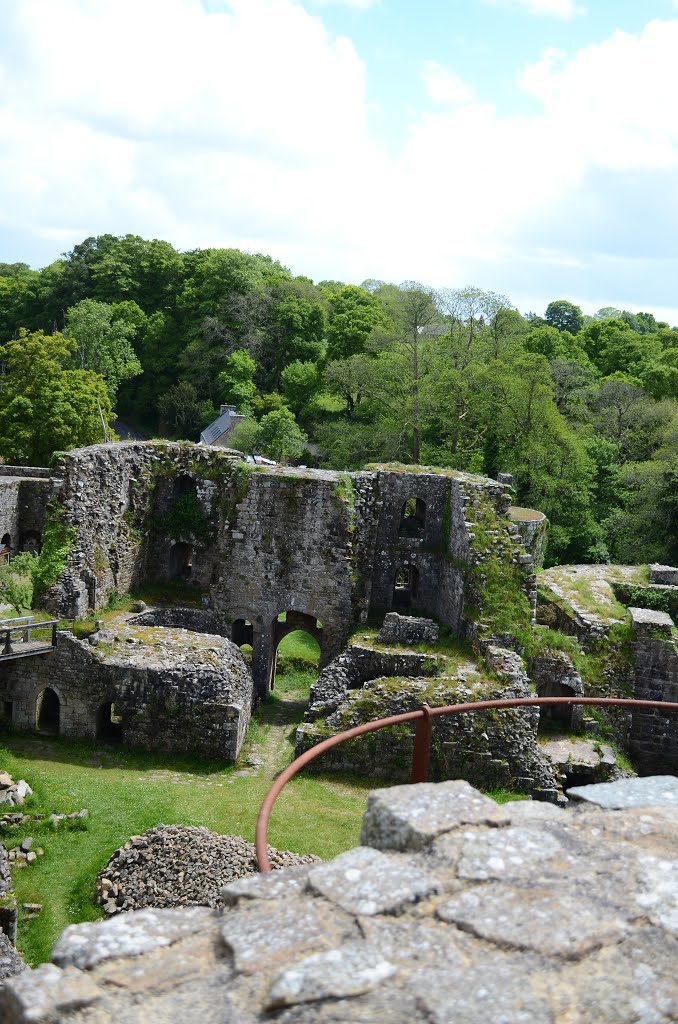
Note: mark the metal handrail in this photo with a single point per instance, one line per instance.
(422, 743)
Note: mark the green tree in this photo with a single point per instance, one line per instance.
(45, 407)
(182, 413)
(237, 380)
(245, 437)
(102, 343)
(280, 437)
(16, 583)
(564, 316)
(300, 383)
(614, 348)
(354, 314)
(470, 312)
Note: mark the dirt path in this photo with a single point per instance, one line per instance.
(274, 747)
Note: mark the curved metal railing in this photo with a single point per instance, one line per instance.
(422, 743)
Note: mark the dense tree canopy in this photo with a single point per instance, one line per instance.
(583, 410)
(44, 406)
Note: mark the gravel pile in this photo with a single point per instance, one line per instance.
(177, 866)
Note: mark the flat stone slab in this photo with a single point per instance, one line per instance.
(410, 817)
(86, 945)
(579, 752)
(350, 971)
(365, 881)
(569, 927)
(652, 791)
(649, 617)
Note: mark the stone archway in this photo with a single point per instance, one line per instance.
(287, 622)
(48, 712)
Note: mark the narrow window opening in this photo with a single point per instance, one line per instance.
(413, 518)
(109, 723)
(405, 589)
(181, 561)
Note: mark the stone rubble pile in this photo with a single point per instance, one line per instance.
(8, 821)
(13, 793)
(22, 855)
(178, 866)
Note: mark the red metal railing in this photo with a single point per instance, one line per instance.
(422, 743)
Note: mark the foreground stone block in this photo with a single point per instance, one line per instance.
(410, 817)
(653, 791)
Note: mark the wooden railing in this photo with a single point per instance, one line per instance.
(22, 636)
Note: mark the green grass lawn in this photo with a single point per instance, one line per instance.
(127, 792)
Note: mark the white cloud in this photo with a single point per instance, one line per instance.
(239, 127)
(564, 9)
(360, 5)
(249, 127)
(443, 85)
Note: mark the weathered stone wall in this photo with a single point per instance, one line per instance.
(494, 748)
(31, 472)
(407, 630)
(359, 664)
(325, 547)
(8, 907)
(654, 737)
(117, 498)
(532, 527)
(173, 692)
(196, 620)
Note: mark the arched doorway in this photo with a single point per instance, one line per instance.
(558, 716)
(183, 485)
(405, 589)
(48, 712)
(297, 639)
(109, 723)
(413, 518)
(181, 561)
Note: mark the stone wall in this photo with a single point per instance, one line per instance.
(453, 909)
(172, 691)
(654, 737)
(491, 749)
(359, 664)
(30, 472)
(8, 907)
(327, 547)
(23, 507)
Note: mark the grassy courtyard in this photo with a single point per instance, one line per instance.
(127, 792)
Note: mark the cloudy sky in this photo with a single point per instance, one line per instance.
(527, 146)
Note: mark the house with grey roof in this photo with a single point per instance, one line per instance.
(219, 431)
